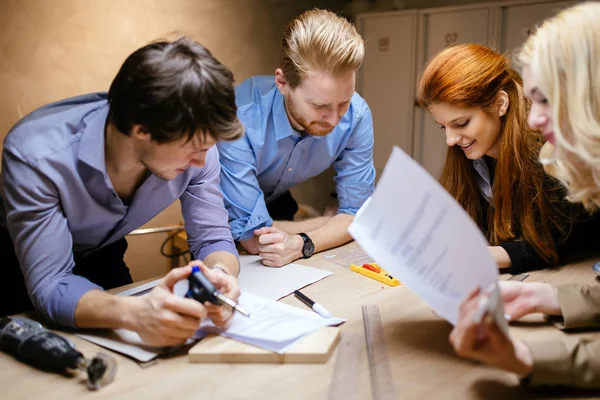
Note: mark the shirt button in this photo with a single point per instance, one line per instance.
(290, 169)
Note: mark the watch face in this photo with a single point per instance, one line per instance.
(308, 249)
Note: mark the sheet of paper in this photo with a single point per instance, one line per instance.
(123, 341)
(274, 326)
(255, 278)
(275, 283)
(415, 230)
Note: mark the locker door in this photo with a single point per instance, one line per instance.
(439, 29)
(518, 20)
(386, 79)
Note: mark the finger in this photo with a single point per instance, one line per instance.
(465, 338)
(272, 263)
(175, 275)
(180, 321)
(196, 263)
(271, 259)
(271, 248)
(226, 284)
(177, 333)
(264, 230)
(473, 294)
(173, 325)
(223, 322)
(496, 337)
(221, 312)
(471, 301)
(270, 238)
(185, 306)
(216, 277)
(220, 316)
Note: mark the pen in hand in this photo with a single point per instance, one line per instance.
(319, 309)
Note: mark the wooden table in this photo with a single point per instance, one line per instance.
(423, 364)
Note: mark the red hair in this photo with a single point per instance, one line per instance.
(471, 76)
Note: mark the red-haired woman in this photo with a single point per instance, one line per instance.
(492, 166)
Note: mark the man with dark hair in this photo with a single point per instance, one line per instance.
(80, 174)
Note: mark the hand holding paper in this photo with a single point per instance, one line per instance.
(477, 337)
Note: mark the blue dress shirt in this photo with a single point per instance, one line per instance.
(57, 198)
(272, 157)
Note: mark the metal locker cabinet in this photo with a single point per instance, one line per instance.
(387, 79)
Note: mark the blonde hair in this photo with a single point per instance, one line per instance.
(319, 40)
(564, 56)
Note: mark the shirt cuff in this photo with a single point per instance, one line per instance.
(522, 257)
(351, 196)
(221, 245)
(58, 302)
(244, 230)
(551, 363)
(576, 304)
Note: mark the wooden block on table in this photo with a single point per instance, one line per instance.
(315, 348)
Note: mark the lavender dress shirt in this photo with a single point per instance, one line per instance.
(56, 199)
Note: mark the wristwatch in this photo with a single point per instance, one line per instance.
(309, 247)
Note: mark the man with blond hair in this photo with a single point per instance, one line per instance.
(298, 123)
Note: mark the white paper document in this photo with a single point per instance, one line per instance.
(275, 283)
(415, 230)
(274, 326)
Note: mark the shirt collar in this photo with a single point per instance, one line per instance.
(484, 180)
(91, 150)
(283, 128)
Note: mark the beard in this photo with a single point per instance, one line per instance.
(313, 128)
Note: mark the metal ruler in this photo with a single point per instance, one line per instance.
(349, 358)
(382, 384)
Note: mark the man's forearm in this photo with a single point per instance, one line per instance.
(333, 233)
(98, 309)
(307, 225)
(225, 260)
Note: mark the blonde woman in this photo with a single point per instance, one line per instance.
(561, 73)
(298, 123)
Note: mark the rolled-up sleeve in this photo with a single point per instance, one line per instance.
(42, 240)
(571, 361)
(355, 173)
(244, 199)
(204, 212)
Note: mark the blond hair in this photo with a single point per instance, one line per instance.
(564, 56)
(319, 40)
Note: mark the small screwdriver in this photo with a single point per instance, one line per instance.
(201, 289)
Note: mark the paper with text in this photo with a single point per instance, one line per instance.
(415, 230)
(274, 326)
